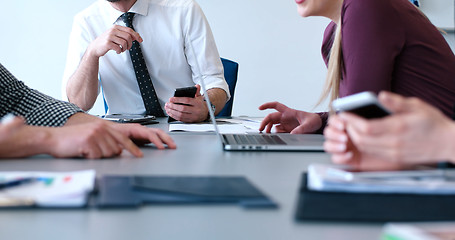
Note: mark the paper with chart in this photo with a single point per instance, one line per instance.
(49, 189)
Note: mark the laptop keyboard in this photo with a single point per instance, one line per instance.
(258, 139)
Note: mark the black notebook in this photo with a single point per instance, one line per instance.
(133, 191)
(372, 207)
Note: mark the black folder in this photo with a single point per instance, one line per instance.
(372, 207)
(133, 191)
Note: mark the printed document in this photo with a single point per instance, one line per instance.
(338, 179)
(49, 189)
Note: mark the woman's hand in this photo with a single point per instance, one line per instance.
(289, 120)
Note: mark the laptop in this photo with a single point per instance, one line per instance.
(261, 141)
(272, 142)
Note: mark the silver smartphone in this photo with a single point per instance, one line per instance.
(364, 104)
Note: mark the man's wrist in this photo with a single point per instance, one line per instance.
(41, 141)
(213, 109)
(91, 53)
(80, 118)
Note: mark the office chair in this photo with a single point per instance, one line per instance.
(231, 70)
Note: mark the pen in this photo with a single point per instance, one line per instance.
(15, 182)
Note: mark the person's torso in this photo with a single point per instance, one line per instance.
(163, 32)
(423, 64)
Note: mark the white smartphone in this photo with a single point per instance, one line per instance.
(364, 104)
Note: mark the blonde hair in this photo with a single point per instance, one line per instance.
(334, 69)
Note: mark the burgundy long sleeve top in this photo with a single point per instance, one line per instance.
(389, 45)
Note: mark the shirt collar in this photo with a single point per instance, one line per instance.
(140, 7)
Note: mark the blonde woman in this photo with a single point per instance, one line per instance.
(374, 45)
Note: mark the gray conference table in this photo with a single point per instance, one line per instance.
(276, 173)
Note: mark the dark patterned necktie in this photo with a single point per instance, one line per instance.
(151, 103)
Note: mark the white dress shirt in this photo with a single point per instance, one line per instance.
(167, 27)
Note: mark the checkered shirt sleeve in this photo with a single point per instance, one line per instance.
(37, 108)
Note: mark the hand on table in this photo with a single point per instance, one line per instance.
(289, 120)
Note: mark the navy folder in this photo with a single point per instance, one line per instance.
(372, 207)
(133, 191)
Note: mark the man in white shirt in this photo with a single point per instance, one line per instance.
(169, 32)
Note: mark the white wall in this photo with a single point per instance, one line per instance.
(34, 40)
(440, 12)
(278, 51)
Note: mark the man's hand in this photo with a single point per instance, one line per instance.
(143, 135)
(82, 136)
(103, 139)
(117, 38)
(289, 120)
(97, 139)
(188, 109)
(115, 136)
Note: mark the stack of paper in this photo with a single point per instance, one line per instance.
(49, 189)
(336, 179)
